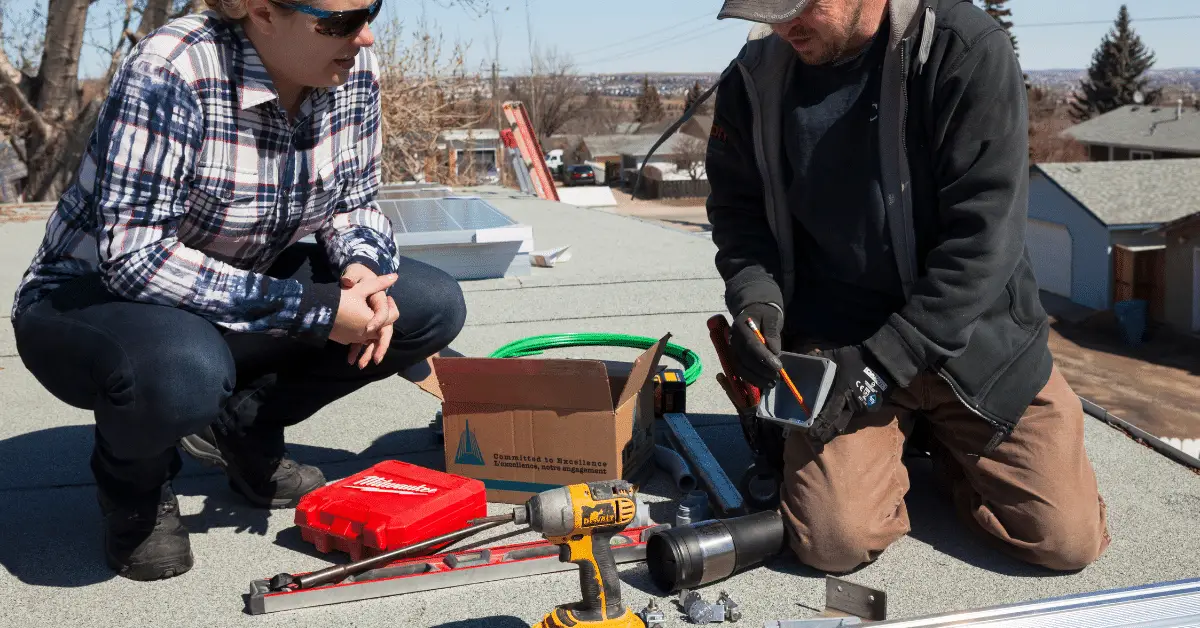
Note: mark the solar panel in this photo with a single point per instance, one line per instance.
(414, 186)
(426, 215)
(396, 192)
(465, 236)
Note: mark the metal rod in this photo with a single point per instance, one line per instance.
(337, 573)
(440, 571)
(1150, 440)
(505, 517)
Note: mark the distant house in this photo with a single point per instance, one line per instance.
(623, 156)
(1137, 132)
(612, 148)
(472, 149)
(1091, 233)
(1182, 272)
(696, 126)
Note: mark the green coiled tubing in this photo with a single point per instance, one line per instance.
(534, 345)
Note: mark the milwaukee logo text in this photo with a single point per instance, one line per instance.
(376, 484)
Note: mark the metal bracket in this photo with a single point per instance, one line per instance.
(700, 612)
(652, 615)
(846, 604)
(843, 596)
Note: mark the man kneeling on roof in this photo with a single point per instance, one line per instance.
(868, 165)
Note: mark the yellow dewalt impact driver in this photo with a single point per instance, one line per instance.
(581, 519)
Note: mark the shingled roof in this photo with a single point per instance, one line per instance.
(636, 145)
(1163, 128)
(1131, 192)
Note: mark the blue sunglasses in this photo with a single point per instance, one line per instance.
(337, 23)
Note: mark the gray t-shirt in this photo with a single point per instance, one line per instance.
(847, 282)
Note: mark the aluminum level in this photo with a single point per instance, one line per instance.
(1171, 604)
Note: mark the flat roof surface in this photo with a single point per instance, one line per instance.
(625, 276)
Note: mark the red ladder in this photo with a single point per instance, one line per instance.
(531, 149)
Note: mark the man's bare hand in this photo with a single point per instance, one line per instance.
(379, 327)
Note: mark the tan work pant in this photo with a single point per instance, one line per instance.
(1036, 493)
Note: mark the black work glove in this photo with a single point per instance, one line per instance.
(859, 386)
(755, 362)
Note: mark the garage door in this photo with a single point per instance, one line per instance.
(1050, 249)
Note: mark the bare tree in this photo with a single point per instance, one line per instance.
(21, 36)
(552, 92)
(425, 91)
(690, 154)
(43, 111)
(53, 121)
(1048, 118)
(595, 116)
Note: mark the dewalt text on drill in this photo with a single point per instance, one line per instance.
(581, 519)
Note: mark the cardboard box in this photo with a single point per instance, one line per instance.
(526, 425)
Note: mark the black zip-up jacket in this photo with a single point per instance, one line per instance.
(953, 156)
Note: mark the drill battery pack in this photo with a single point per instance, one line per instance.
(670, 392)
(386, 507)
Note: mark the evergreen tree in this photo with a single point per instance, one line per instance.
(692, 96)
(999, 12)
(649, 105)
(1117, 73)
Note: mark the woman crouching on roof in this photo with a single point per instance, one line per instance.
(172, 296)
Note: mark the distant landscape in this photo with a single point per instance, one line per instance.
(1177, 78)
(675, 85)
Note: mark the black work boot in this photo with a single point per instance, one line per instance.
(144, 539)
(258, 467)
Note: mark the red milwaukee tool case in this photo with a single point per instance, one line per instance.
(386, 507)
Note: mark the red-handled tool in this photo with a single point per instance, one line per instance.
(744, 395)
(761, 482)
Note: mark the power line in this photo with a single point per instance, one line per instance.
(706, 16)
(713, 29)
(657, 45)
(705, 31)
(1094, 22)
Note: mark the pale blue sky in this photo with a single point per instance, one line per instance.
(684, 35)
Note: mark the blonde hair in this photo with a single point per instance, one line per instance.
(228, 9)
(237, 9)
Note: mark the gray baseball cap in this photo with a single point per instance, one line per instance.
(763, 11)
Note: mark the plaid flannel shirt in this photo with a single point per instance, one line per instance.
(194, 181)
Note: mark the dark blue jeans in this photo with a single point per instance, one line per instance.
(153, 374)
